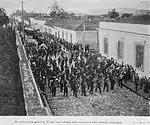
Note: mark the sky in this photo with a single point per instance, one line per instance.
(83, 6)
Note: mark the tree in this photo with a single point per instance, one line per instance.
(26, 14)
(55, 10)
(56, 7)
(52, 14)
(17, 13)
(126, 15)
(4, 19)
(58, 12)
(113, 14)
(148, 12)
(72, 15)
(64, 15)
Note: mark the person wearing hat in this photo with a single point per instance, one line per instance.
(66, 84)
(136, 81)
(61, 83)
(98, 83)
(83, 85)
(74, 87)
(54, 86)
(112, 81)
(106, 83)
(120, 79)
(91, 83)
(142, 81)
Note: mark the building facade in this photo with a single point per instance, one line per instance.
(89, 37)
(128, 43)
(68, 35)
(40, 24)
(77, 35)
(72, 31)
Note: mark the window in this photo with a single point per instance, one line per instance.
(49, 30)
(41, 28)
(58, 34)
(45, 29)
(140, 57)
(105, 45)
(63, 34)
(120, 49)
(71, 38)
(66, 35)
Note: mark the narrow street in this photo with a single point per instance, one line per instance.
(119, 102)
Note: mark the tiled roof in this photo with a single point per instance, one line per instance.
(140, 19)
(40, 18)
(89, 26)
(76, 25)
(49, 23)
(66, 24)
(69, 24)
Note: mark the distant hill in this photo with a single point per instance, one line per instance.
(133, 10)
(121, 10)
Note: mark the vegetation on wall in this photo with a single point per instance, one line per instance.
(4, 19)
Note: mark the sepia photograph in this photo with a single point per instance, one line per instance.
(75, 58)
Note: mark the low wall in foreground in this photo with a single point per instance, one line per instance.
(33, 102)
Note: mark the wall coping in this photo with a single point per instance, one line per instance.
(125, 27)
(33, 102)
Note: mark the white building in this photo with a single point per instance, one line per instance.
(67, 34)
(128, 43)
(65, 29)
(74, 32)
(90, 37)
(38, 24)
(70, 30)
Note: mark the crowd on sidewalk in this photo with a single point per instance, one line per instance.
(58, 64)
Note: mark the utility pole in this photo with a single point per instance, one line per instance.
(97, 30)
(22, 15)
(83, 32)
(85, 17)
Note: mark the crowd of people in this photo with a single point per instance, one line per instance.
(63, 66)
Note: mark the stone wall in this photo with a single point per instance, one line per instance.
(33, 102)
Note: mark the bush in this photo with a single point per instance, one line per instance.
(4, 19)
